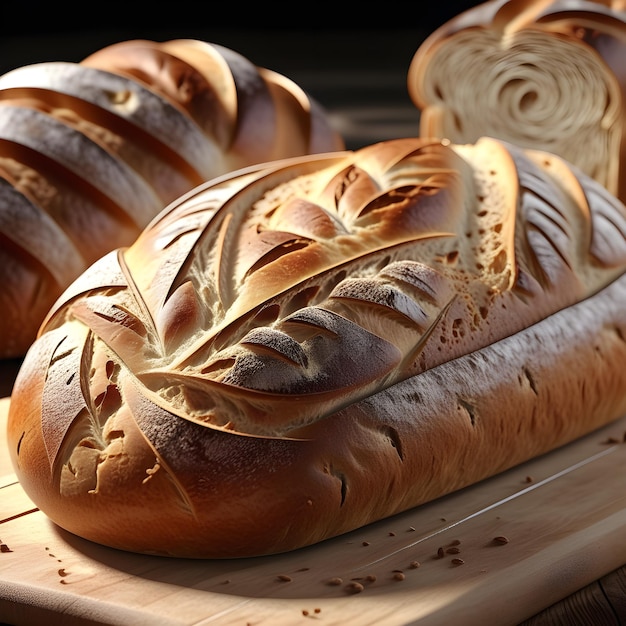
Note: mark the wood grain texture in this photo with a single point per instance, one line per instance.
(614, 587)
(563, 515)
(602, 603)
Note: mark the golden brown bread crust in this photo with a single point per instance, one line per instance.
(548, 75)
(91, 151)
(291, 352)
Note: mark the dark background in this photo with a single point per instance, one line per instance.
(34, 31)
(353, 58)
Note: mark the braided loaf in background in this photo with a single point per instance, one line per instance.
(290, 353)
(91, 151)
(549, 75)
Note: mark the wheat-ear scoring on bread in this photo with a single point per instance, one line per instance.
(293, 351)
(90, 152)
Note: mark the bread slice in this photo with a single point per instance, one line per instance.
(544, 75)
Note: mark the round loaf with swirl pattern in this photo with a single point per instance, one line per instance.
(90, 152)
(548, 75)
(293, 351)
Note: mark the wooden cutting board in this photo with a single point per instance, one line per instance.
(563, 516)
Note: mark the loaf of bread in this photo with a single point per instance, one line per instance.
(91, 151)
(547, 75)
(291, 352)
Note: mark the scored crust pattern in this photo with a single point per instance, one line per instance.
(262, 304)
(90, 152)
